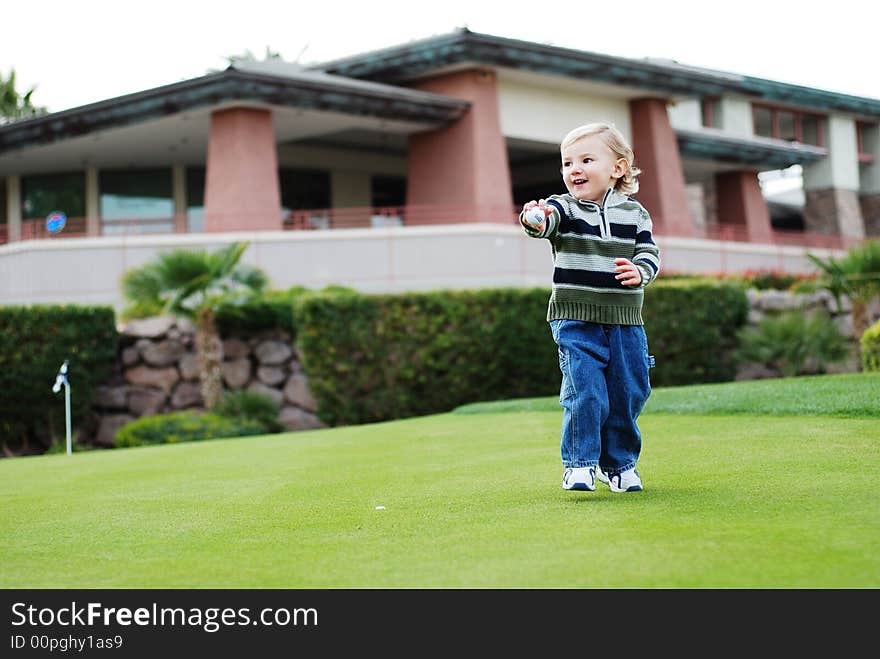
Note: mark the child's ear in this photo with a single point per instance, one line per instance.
(620, 167)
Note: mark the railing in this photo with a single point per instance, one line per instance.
(776, 237)
(75, 227)
(317, 219)
(388, 216)
(78, 227)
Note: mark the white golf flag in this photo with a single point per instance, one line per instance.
(61, 378)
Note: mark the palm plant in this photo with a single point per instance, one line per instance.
(791, 341)
(856, 276)
(191, 284)
(13, 105)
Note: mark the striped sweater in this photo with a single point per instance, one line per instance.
(585, 238)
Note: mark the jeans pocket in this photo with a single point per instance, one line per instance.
(566, 389)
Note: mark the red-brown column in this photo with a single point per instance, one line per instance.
(661, 184)
(241, 182)
(741, 203)
(463, 166)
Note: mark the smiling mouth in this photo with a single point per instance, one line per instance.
(579, 181)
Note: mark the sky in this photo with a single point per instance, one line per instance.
(81, 51)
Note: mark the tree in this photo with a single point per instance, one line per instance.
(856, 276)
(14, 106)
(191, 284)
(248, 56)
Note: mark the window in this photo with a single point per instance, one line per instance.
(787, 130)
(763, 121)
(388, 191)
(195, 199)
(788, 125)
(710, 108)
(128, 196)
(303, 189)
(810, 129)
(3, 201)
(40, 195)
(866, 137)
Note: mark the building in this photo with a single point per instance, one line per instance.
(428, 139)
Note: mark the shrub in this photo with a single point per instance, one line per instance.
(250, 406)
(34, 342)
(267, 310)
(870, 343)
(692, 326)
(183, 427)
(789, 342)
(770, 280)
(380, 357)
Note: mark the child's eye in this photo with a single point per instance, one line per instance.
(587, 161)
(566, 164)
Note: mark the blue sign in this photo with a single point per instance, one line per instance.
(55, 221)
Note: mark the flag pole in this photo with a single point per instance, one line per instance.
(62, 379)
(67, 415)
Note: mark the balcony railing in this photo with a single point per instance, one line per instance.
(320, 219)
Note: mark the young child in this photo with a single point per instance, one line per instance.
(603, 255)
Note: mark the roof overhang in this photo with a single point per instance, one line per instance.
(300, 96)
(753, 152)
(421, 58)
(428, 56)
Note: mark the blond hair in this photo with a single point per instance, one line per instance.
(626, 184)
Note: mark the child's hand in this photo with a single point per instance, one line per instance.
(535, 218)
(629, 274)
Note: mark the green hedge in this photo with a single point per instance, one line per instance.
(379, 357)
(268, 310)
(870, 348)
(692, 329)
(34, 342)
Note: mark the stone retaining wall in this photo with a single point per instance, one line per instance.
(763, 303)
(157, 372)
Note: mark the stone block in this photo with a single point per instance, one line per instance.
(162, 378)
(236, 373)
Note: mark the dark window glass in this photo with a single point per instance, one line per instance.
(3, 201)
(388, 191)
(195, 199)
(304, 189)
(867, 138)
(711, 111)
(810, 129)
(786, 126)
(134, 195)
(763, 121)
(40, 195)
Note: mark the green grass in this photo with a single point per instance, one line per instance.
(784, 496)
(851, 395)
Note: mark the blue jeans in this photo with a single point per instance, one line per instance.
(605, 384)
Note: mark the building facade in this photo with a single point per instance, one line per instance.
(457, 129)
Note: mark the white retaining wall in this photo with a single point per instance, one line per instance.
(88, 270)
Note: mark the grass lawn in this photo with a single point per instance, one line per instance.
(766, 484)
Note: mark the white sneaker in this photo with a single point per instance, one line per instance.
(579, 478)
(601, 476)
(626, 481)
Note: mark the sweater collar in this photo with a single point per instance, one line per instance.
(611, 198)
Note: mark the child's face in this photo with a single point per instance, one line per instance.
(590, 167)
